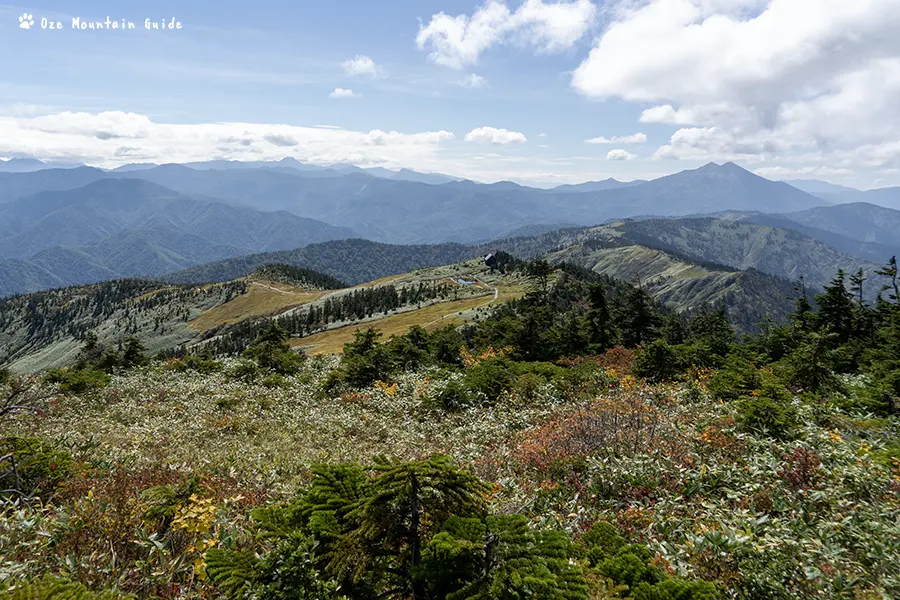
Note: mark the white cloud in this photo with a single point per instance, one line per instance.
(668, 115)
(343, 93)
(542, 135)
(457, 42)
(361, 65)
(109, 139)
(755, 77)
(703, 143)
(637, 138)
(473, 81)
(620, 154)
(492, 135)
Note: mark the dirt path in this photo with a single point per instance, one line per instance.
(453, 314)
(274, 289)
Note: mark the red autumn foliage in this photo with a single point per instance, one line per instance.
(801, 469)
(625, 425)
(618, 359)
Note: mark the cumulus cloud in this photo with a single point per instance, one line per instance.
(702, 143)
(492, 135)
(637, 138)
(620, 154)
(109, 139)
(744, 76)
(361, 65)
(473, 81)
(545, 27)
(343, 93)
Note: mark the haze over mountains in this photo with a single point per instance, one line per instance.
(63, 226)
(130, 227)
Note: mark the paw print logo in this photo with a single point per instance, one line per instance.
(26, 21)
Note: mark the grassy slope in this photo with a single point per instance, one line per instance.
(262, 298)
(713, 501)
(750, 296)
(430, 317)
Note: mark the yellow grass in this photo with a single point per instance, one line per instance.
(430, 317)
(381, 281)
(262, 298)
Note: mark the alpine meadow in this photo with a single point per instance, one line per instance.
(450, 300)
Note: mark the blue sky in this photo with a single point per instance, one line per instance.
(587, 71)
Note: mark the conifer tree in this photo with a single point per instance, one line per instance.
(598, 321)
(502, 557)
(890, 272)
(272, 352)
(638, 319)
(403, 501)
(836, 309)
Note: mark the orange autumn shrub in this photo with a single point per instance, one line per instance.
(616, 361)
(620, 426)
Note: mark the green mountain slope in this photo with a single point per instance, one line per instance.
(859, 220)
(47, 329)
(749, 296)
(354, 261)
(780, 252)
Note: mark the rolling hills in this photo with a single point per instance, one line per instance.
(48, 329)
(686, 264)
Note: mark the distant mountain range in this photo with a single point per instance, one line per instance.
(306, 168)
(403, 211)
(29, 165)
(888, 197)
(815, 187)
(77, 225)
(597, 186)
(133, 228)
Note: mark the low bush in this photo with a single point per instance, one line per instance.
(41, 466)
(769, 414)
(199, 364)
(657, 361)
(631, 566)
(79, 381)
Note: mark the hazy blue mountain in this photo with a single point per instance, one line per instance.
(859, 220)
(401, 211)
(410, 175)
(134, 167)
(886, 197)
(816, 187)
(132, 227)
(710, 188)
(17, 185)
(309, 170)
(30, 165)
(871, 251)
(529, 231)
(597, 186)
